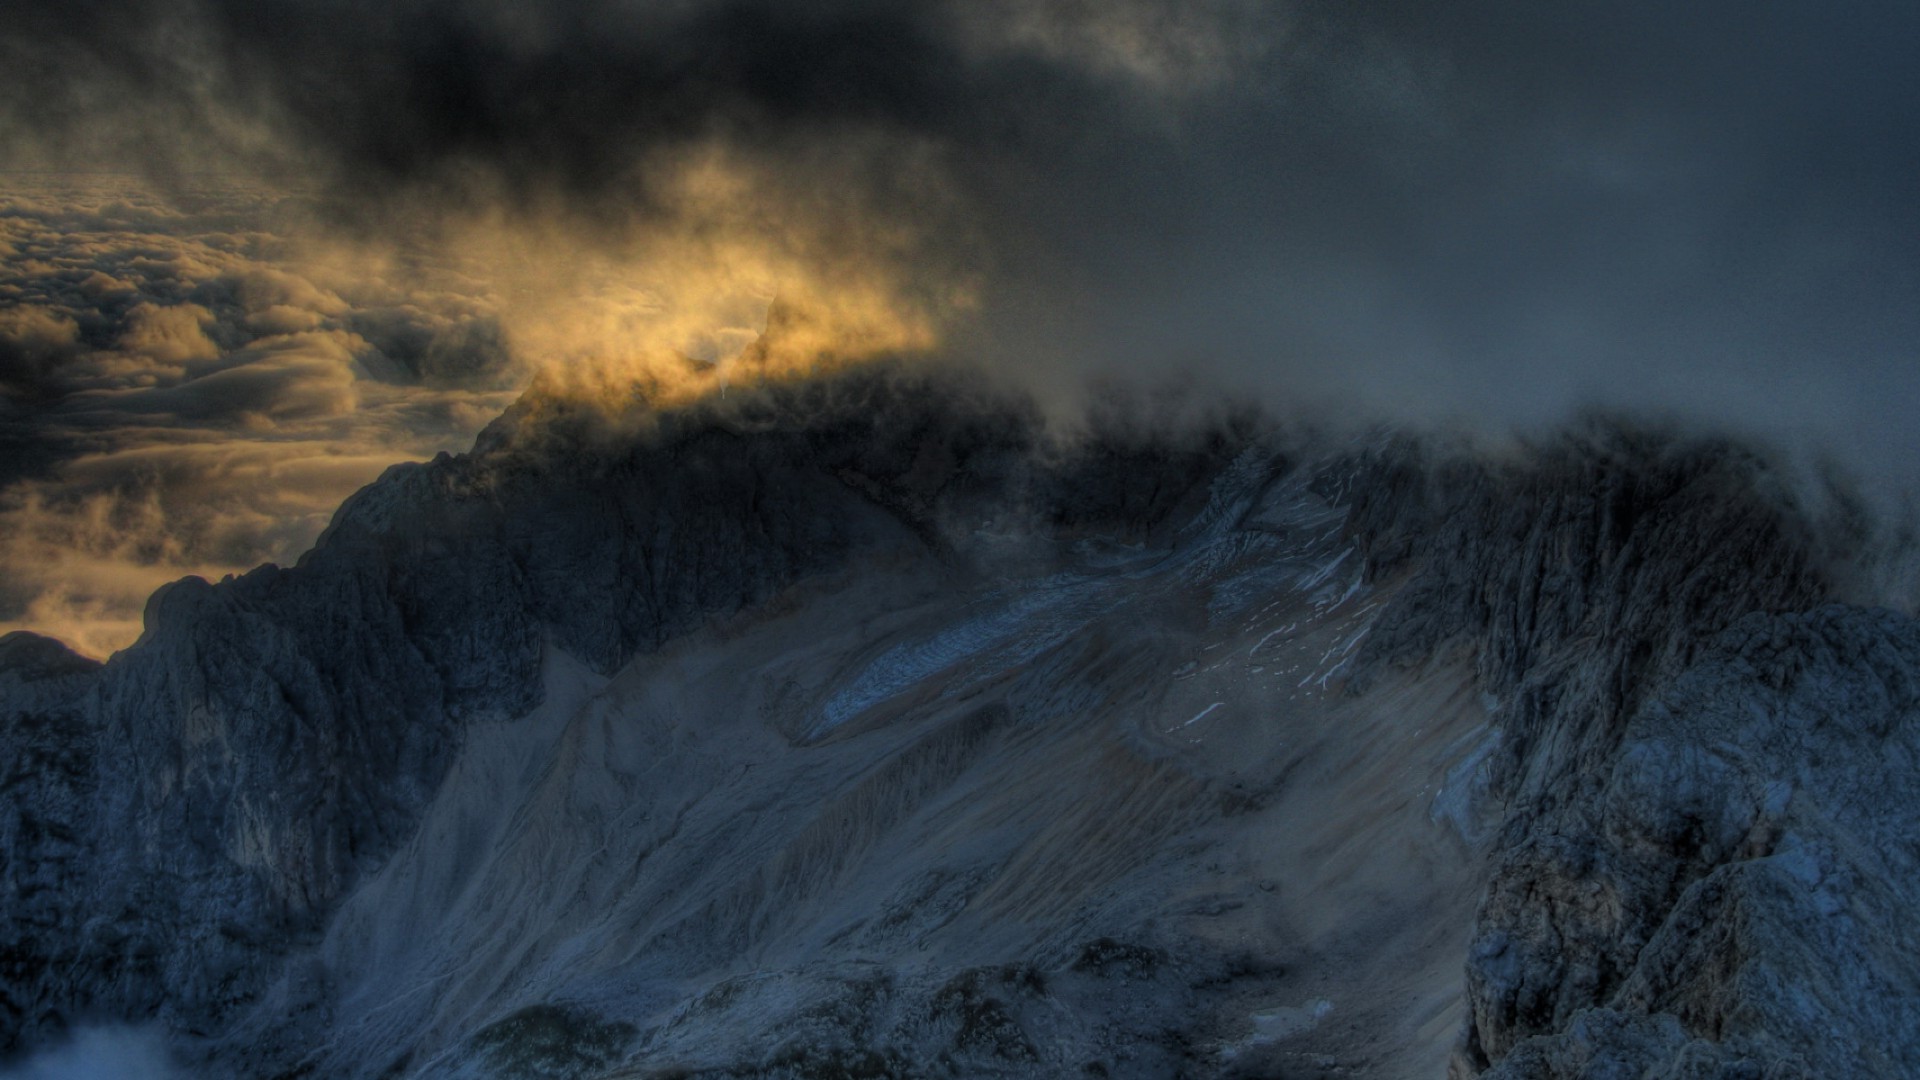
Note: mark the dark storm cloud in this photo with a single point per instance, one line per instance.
(1491, 206)
(1454, 196)
(1504, 211)
(1547, 122)
(522, 97)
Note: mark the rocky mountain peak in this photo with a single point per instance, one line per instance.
(213, 827)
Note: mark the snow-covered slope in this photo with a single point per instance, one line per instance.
(856, 727)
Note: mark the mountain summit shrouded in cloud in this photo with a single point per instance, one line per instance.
(1501, 209)
(193, 382)
(1497, 214)
(1129, 538)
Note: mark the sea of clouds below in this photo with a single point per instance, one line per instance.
(187, 391)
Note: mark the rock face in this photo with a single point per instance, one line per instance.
(858, 727)
(1704, 842)
(1725, 895)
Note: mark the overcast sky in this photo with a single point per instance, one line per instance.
(351, 229)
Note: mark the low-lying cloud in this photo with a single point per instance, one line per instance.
(182, 396)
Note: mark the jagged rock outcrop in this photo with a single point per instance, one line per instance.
(1732, 894)
(1704, 841)
(46, 792)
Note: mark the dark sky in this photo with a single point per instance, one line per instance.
(1568, 196)
(1487, 211)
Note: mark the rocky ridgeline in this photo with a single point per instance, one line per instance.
(1704, 841)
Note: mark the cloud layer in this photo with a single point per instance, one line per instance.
(179, 398)
(1500, 208)
(1492, 213)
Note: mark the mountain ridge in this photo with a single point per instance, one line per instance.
(172, 844)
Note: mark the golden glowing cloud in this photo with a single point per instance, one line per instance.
(666, 305)
(216, 389)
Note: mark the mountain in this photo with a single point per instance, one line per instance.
(867, 725)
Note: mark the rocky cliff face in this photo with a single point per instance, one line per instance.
(857, 725)
(1723, 893)
(1703, 837)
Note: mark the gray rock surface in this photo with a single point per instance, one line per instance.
(1706, 839)
(1730, 892)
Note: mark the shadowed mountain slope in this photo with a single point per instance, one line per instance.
(865, 726)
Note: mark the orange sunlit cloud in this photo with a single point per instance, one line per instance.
(205, 391)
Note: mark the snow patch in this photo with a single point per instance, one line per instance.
(1197, 717)
(1277, 1025)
